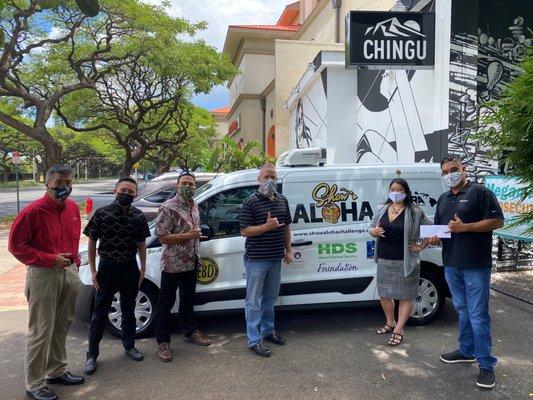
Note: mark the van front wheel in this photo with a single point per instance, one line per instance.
(429, 300)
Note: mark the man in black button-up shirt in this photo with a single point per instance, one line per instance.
(471, 212)
(121, 231)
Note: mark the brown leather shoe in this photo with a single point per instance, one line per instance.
(164, 353)
(198, 338)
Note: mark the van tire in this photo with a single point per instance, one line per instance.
(431, 291)
(145, 306)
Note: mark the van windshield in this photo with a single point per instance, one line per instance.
(202, 189)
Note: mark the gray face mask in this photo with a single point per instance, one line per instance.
(453, 179)
(268, 188)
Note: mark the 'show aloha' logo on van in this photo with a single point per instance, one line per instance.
(326, 196)
(335, 204)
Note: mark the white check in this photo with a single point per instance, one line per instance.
(441, 231)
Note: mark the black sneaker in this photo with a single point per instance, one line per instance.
(486, 378)
(456, 357)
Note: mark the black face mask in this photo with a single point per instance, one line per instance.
(61, 192)
(125, 199)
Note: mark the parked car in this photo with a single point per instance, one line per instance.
(173, 175)
(331, 208)
(150, 197)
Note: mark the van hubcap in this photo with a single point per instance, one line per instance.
(426, 300)
(143, 311)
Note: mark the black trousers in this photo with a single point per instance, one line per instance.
(170, 282)
(112, 277)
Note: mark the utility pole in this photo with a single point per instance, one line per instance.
(15, 157)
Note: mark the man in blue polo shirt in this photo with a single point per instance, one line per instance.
(264, 221)
(472, 212)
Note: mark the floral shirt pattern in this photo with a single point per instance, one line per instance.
(178, 216)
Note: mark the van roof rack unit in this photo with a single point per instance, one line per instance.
(302, 157)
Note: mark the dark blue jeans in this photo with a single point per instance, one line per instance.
(470, 295)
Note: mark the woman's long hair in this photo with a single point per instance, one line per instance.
(408, 195)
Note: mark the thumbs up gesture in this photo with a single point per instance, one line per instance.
(456, 225)
(272, 223)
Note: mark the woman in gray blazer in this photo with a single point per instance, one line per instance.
(396, 227)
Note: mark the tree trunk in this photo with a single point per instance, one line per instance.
(5, 175)
(132, 158)
(127, 167)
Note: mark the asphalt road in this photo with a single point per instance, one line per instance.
(330, 354)
(80, 191)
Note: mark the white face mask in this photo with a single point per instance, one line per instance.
(453, 179)
(396, 197)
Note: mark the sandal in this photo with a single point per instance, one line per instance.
(385, 329)
(395, 339)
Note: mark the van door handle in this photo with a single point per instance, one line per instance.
(299, 243)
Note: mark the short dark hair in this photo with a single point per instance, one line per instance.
(450, 158)
(127, 179)
(186, 172)
(57, 169)
(408, 195)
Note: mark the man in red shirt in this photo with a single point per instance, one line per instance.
(45, 237)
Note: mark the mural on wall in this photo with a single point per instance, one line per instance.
(394, 117)
(309, 121)
(484, 57)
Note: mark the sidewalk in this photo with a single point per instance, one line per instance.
(13, 277)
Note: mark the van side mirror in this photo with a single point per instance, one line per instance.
(207, 232)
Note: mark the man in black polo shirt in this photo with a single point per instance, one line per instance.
(472, 212)
(264, 221)
(121, 230)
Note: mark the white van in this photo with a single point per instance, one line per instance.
(331, 208)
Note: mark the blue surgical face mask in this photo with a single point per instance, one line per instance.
(396, 197)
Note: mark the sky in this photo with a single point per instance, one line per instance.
(219, 14)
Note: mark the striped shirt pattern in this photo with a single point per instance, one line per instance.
(269, 245)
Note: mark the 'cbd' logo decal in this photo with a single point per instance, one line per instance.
(207, 272)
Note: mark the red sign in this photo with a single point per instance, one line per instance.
(234, 126)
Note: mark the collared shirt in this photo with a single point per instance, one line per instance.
(178, 216)
(44, 229)
(472, 203)
(119, 232)
(269, 245)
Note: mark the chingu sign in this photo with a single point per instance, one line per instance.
(390, 40)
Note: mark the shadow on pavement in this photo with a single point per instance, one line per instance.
(330, 354)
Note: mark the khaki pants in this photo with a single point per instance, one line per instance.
(51, 295)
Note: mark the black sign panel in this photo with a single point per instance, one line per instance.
(390, 40)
